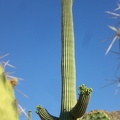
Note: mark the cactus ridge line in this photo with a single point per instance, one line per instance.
(71, 109)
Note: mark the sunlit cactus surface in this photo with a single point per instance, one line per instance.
(8, 102)
(71, 108)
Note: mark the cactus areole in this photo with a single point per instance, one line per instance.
(71, 109)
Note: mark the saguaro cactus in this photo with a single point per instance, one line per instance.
(71, 109)
(8, 104)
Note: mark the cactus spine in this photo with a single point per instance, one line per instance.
(8, 106)
(71, 109)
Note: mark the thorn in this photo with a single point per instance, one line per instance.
(110, 46)
(7, 64)
(114, 14)
(113, 28)
(114, 81)
(22, 110)
(4, 56)
(118, 8)
(22, 93)
(14, 77)
(8, 73)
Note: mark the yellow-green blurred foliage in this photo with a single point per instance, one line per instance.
(8, 102)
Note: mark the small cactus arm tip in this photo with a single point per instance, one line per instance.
(84, 90)
(39, 107)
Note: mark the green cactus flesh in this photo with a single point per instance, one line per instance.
(81, 106)
(44, 115)
(71, 109)
(8, 106)
(97, 115)
(68, 69)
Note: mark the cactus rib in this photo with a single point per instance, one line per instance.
(44, 115)
(69, 104)
(81, 106)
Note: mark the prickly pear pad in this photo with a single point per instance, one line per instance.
(8, 106)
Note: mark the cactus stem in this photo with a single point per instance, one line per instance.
(29, 115)
(44, 115)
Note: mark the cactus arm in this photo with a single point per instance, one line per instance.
(81, 106)
(44, 115)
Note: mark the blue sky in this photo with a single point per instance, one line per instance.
(30, 30)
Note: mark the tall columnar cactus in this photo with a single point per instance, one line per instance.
(8, 102)
(71, 109)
